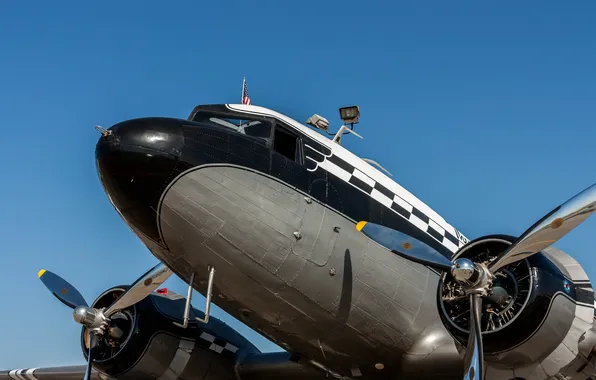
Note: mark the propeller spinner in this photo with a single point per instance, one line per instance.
(98, 320)
(476, 279)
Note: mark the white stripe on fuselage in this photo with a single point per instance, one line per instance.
(408, 200)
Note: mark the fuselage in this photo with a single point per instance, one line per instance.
(273, 208)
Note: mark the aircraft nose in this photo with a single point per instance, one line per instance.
(136, 159)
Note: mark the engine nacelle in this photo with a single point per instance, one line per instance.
(537, 304)
(144, 343)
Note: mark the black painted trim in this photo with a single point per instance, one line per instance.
(314, 154)
(451, 238)
(434, 233)
(383, 190)
(341, 163)
(205, 143)
(402, 211)
(584, 295)
(420, 215)
(460, 239)
(361, 184)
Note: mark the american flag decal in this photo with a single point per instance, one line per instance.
(245, 97)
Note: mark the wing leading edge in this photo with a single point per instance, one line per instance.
(262, 366)
(48, 373)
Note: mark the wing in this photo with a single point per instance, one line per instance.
(48, 373)
(261, 366)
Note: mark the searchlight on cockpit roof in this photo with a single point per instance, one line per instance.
(349, 115)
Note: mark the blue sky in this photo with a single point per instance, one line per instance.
(484, 110)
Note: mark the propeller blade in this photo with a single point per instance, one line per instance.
(474, 358)
(405, 245)
(93, 340)
(141, 288)
(552, 227)
(61, 289)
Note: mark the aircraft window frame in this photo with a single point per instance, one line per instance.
(221, 120)
(205, 117)
(299, 153)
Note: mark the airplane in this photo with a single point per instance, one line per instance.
(323, 253)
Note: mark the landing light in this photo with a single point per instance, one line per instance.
(318, 121)
(350, 115)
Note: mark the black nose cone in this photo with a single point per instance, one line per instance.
(136, 160)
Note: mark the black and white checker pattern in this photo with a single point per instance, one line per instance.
(216, 344)
(452, 239)
(318, 155)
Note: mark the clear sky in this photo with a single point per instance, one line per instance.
(484, 110)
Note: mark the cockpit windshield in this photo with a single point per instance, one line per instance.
(249, 127)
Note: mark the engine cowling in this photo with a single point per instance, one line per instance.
(536, 304)
(143, 341)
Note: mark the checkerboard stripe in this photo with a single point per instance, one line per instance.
(453, 240)
(216, 344)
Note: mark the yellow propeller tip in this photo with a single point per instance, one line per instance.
(40, 273)
(360, 225)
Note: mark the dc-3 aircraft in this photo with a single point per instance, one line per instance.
(323, 253)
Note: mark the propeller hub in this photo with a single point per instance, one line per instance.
(84, 315)
(90, 317)
(463, 271)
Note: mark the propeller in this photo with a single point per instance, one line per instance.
(98, 320)
(476, 278)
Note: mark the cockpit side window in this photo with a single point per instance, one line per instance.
(287, 142)
(251, 127)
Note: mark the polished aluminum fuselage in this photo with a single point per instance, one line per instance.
(299, 273)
